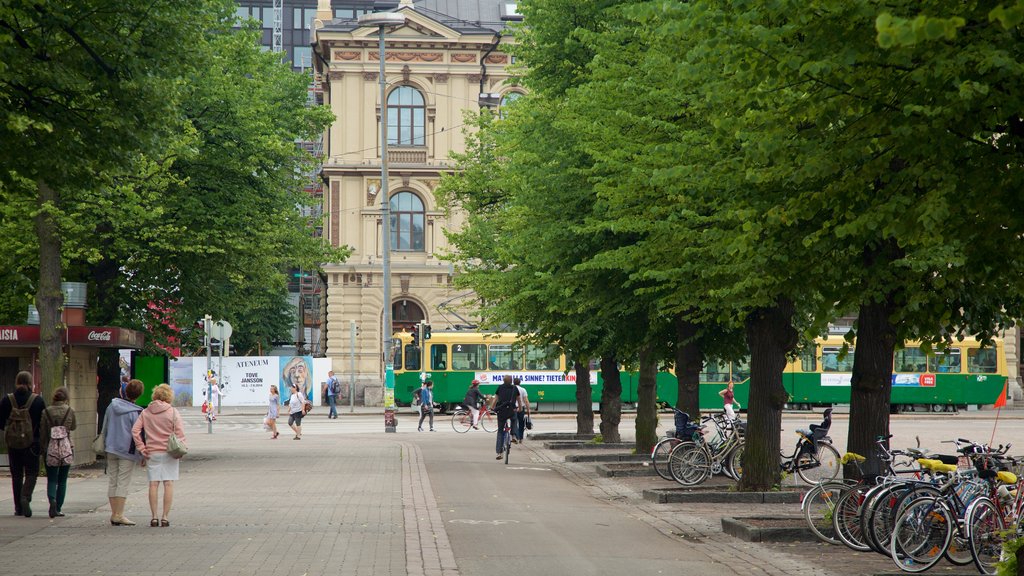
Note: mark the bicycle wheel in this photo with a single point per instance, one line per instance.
(819, 505)
(689, 463)
(659, 456)
(921, 535)
(488, 422)
(886, 507)
(821, 467)
(462, 421)
(734, 462)
(876, 509)
(985, 527)
(508, 444)
(959, 550)
(846, 518)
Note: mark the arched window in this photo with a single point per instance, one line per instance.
(407, 222)
(506, 100)
(407, 115)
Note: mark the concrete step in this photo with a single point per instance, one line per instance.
(625, 469)
(607, 457)
(587, 445)
(720, 494)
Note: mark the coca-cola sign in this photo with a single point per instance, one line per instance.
(96, 336)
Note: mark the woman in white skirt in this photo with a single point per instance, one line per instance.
(159, 420)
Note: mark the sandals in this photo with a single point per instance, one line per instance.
(154, 523)
(164, 523)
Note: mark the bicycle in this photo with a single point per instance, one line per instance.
(660, 453)
(508, 439)
(692, 461)
(462, 420)
(814, 459)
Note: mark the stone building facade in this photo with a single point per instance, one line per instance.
(438, 65)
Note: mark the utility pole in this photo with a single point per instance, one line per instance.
(352, 374)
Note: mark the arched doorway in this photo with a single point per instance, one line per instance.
(405, 315)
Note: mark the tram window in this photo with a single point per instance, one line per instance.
(412, 357)
(541, 357)
(981, 360)
(831, 361)
(438, 356)
(808, 362)
(740, 370)
(910, 360)
(505, 357)
(946, 362)
(397, 352)
(715, 371)
(468, 356)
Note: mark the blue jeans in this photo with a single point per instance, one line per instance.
(503, 417)
(57, 484)
(519, 425)
(332, 400)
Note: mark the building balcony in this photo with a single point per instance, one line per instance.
(407, 155)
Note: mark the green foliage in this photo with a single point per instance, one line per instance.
(1008, 566)
(171, 141)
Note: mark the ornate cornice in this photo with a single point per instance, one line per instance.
(392, 56)
(346, 55)
(463, 57)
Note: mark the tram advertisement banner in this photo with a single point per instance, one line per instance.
(246, 380)
(552, 377)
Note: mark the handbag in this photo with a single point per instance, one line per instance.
(307, 407)
(528, 423)
(176, 448)
(99, 444)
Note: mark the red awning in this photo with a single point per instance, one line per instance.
(94, 336)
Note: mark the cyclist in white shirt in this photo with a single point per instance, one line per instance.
(519, 424)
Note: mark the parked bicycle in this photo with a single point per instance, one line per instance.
(692, 461)
(814, 459)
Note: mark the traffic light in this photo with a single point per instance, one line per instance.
(426, 331)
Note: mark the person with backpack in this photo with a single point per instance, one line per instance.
(55, 432)
(20, 414)
(506, 404)
(333, 390)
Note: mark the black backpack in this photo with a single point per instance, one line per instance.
(18, 433)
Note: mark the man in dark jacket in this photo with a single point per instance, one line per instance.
(24, 462)
(506, 402)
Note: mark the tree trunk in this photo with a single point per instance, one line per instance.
(689, 361)
(770, 335)
(871, 384)
(584, 404)
(49, 296)
(611, 399)
(646, 405)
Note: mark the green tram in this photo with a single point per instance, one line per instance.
(965, 374)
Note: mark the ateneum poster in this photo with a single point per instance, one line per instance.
(246, 380)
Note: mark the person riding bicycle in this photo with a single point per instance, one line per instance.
(505, 403)
(474, 402)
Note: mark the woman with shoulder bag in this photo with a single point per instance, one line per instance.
(296, 410)
(57, 423)
(160, 421)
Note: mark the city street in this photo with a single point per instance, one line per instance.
(350, 499)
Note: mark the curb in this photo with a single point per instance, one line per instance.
(606, 458)
(584, 445)
(738, 528)
(625, 469)
(685, 496)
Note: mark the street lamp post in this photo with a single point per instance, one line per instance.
(382, 20)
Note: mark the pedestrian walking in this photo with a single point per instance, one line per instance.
(20, 414)
(296, 405)
(505, 402)
(729, 397)
(333, 389)
(474, 402)
(427, 404)
(159, 420)
(55, 433)
(270, 420)
(522, 412)
(121, 452)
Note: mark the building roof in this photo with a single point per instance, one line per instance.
(463, 16)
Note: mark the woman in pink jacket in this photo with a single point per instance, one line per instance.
(159, 420)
